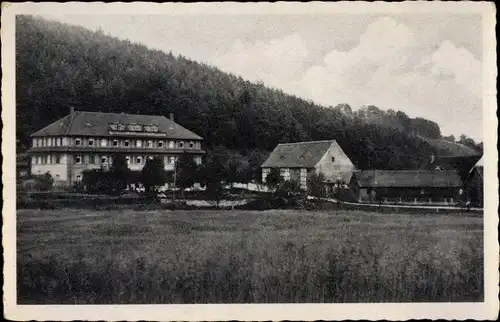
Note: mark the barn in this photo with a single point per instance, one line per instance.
(296, 161)
(407, 186)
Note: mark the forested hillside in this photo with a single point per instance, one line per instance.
(59, 66)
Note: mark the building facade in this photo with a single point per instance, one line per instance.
(88, 140)
(296, 161)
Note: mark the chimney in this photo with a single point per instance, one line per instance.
(71, 110)
(172, 117)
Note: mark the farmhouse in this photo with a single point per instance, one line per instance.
(88, 140)
(407, 186)
(296, 160)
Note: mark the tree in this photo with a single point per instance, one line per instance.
(44, 182)
(187, 172)
(316, 185)
(273, 178)
(119, 173)
(215, 191)
(153, 174)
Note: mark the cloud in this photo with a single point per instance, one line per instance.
(389, 67)
(274, 62)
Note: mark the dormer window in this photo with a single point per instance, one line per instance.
(181, 144)
(78, 142)
(191, 145)
(282, 157)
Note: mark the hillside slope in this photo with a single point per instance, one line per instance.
(59, 66)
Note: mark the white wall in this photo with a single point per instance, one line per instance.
(341, 166)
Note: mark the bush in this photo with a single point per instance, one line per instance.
(43, 182)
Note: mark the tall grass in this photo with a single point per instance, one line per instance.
(247, 257)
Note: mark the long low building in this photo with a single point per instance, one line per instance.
(89, 140)
(414, 186)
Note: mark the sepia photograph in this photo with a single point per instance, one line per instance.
(267, 155)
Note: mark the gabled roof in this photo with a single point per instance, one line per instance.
(297, 155)
(407, 179)
(97, 124)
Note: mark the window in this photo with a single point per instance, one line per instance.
(49, 159)
(78, 159)
(138, 160)
(58, 177)
(91, 142)
(127, 143)
(58, 142)
(138, 143)
(150, 144)
(171, 144)
(115, 142)
(34, 142)
(39, 160)
(160, 144)
(191, 145)
(103, 142)
(49, 143)
(171, 160)
(39, 142)
(104, 160)
(92, 159)
(58, 158)
(333, 159)
(78, 142)
(181, 144)
(78, 178)
(128, 159)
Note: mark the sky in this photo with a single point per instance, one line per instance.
(426, 65)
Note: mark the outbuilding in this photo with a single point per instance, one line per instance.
(407, 186)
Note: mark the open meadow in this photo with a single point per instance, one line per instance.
(206, 256)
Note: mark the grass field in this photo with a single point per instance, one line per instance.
(79, 256)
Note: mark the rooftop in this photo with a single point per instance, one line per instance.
(299, 154)
(114, 124)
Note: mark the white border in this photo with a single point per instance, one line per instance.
(245, 312)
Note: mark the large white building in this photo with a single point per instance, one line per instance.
(88, 140)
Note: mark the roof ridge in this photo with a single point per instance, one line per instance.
(120, 113)
(72, 118)
(302, 142)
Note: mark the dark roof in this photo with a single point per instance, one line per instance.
(300, 154)
(97, 124)
(407, 178)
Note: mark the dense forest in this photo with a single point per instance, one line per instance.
(58, 66)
